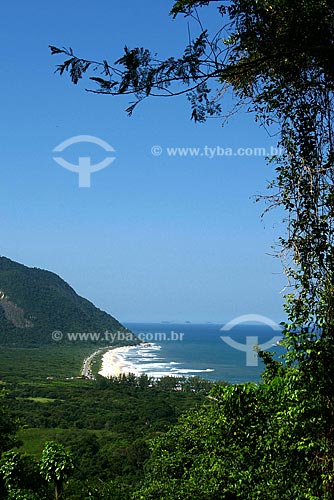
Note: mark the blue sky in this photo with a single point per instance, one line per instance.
(155, 237)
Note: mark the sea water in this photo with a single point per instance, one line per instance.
(199, 350)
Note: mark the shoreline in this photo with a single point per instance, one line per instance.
(115, 361)
(114, 364)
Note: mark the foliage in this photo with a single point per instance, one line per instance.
(21, 477)
(259, 44)
(28, 364)
(8, 426)
(251, 441)
(56, 464)
(107, 424)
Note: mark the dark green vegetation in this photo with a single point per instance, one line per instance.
(274, 440)
(42, 363)
(136, 439)
(34, 303)
(106, 424)
(256, 442)
(56, 465)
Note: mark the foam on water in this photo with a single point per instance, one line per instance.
(200, 353)
(141, 360)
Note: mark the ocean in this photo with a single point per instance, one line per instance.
(198, 350)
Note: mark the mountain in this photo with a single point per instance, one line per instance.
(35, 303)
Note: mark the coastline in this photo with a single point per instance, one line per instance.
(144, 359)
(114, 364)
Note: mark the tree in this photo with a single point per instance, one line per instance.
(21, 477)
(249, 441)
(56, 465)
(261, 46)
(8, 425)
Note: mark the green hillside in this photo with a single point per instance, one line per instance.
(34, 303)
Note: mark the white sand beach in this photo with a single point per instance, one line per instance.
(114, 364)
(143, 359)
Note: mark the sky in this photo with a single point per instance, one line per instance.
(155, 237)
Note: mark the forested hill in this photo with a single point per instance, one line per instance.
(34, 303)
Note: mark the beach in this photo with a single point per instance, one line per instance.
(143, 359)
(114, 363)
(199, 351)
